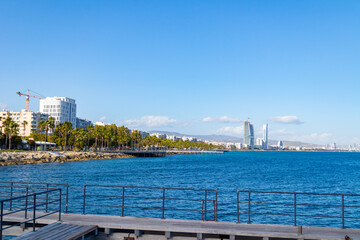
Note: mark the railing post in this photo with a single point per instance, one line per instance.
(343, 210)
(123, 201)
(216, 205)
(1, 219)
(84, 199)
(47, 198)
(237, 206)
(60, 205)
(34, 214)
(249, 209)
(26, 202)
(205, 204)
(294, 209)
(163, 205)
(67, 198)
(11, 195)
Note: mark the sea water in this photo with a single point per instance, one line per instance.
(282, 171)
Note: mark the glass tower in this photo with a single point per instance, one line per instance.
(248, 134)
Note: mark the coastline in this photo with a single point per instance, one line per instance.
(8, 158)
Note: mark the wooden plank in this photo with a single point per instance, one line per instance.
(50, 227)
(58, 231)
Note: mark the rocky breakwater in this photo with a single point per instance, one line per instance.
(21, 158)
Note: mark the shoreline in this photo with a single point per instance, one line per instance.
(8, 158)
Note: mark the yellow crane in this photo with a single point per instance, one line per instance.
(27, 95)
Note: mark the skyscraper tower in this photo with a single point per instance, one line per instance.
(248, 134)
(265, 135)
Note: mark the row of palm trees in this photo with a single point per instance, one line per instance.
(93, 137)
(109, 137)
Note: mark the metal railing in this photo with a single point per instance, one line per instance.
(161, 201)
(33, 202)
(297, 205)
(13, 189)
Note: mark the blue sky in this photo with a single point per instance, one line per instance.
(197, 67)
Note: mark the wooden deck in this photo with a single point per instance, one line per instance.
(58, 231)
(197, 227)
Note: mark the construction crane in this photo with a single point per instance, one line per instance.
(27, 95)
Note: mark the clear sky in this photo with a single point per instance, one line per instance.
(196, 67)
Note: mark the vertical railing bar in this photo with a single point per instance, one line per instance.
(214, 209)
(60, 205)
(67, 198)
(84, 195)
(202, 210)
(249, 209)
(34, 214)
(11, 195)
(343, 210)
(237, 206)
(1, 218)
(295, 209)
(26, 202)
(123, 201)
(205, 204)
(216, 197)
(47, 198)
(163, 205)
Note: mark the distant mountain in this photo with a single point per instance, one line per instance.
(231, 139)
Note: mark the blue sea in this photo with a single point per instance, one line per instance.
(309, 172)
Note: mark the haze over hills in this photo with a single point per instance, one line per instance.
(231, 139)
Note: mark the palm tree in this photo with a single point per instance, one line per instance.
(14, 130)
(41, 126)
(50, 124)
(59, 131)
(6, 123)
(24, 123)
(67, 129)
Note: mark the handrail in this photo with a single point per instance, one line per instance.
(161, 196)
(12, 185)
(32, 206)
(295, 203)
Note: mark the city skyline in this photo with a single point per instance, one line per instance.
(191, 67)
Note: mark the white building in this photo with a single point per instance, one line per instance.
(31, 119)
(99, 124)
(193, 139)
(172, 137)
(144, 134)
(238, 145)
(265, 135)
(260, 143)
(158, 135)
(60, 108)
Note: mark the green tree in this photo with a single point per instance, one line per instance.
(41, 126)
(24, 123)
(14, 130)
(67, 130)
(6, 124)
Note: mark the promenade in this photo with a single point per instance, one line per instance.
(115, 227)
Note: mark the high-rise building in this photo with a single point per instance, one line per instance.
(248, 134)
(265, 135)
(27, 120)
(60, 108)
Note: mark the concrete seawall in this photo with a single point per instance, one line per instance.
(24, 157)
